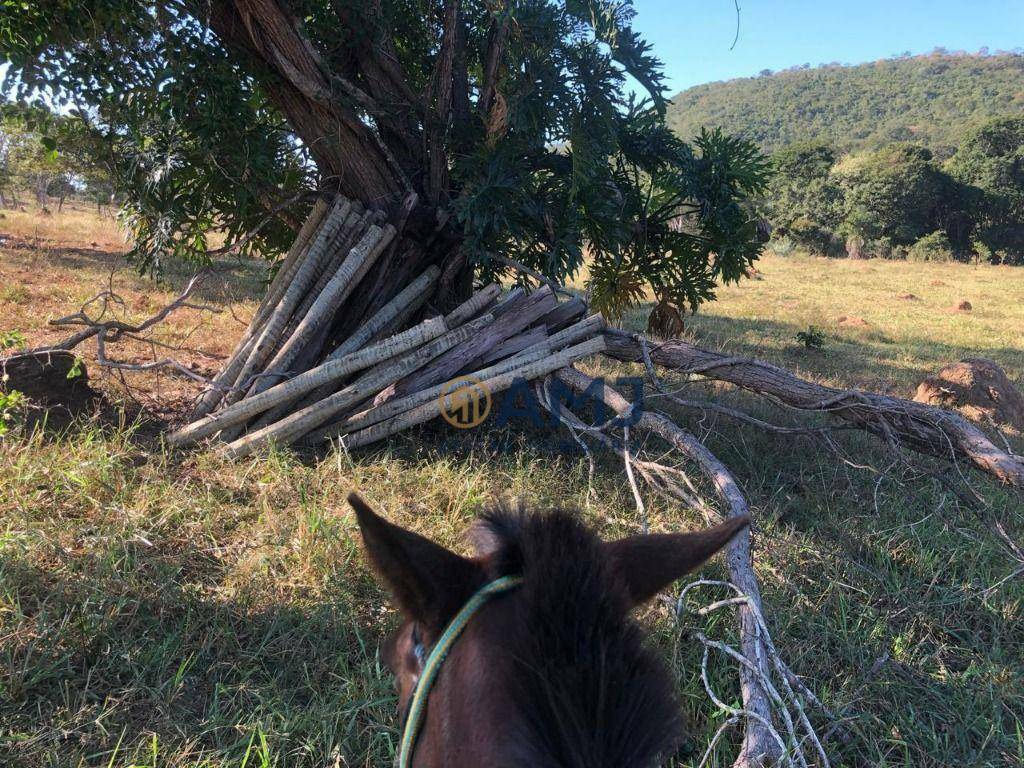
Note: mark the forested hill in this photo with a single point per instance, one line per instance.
(928, 99)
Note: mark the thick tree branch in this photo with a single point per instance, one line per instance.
(344, 146)
(439, 117)
(370, 60)
(924, 428)
(496, 37)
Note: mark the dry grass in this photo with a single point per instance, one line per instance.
(52, 265)
(165, 609)
(904, 339)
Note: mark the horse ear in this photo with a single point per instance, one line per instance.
(429, 582)
(647, 564)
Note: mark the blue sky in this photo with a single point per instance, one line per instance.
(693, 37)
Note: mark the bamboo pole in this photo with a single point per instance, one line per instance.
(299, 423)
(514, 345)
(305, 382)
(293, 294)
(224, 380)
(350, 233)
(352, 270)
(495, 384)
(292, 261)
(387, 317)
(510, 301)
(567, 312)
(474, 304)
(233, 365)
(580, 331)
(378, 413)
(413, 294)
(533, 307)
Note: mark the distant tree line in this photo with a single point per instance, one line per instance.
(46, 158)
(928, 100)
(901, 201)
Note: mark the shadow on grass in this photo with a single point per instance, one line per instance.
(131, 656)
(872, 594)
(235, 279)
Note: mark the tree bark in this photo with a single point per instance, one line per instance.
(924, 428)
(345, 148)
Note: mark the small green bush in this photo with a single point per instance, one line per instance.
(812, 338)
(11, 340)
(782, 246)
(12, 406)
(933, 247)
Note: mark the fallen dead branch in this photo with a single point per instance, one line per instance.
(923, 428)
(759, 746)
(110, 330)
(790, 727)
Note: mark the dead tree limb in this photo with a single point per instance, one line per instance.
(112, 330)
(924, 428)
(759, 746)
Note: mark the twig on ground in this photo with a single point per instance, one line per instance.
(786, 691)
(112, 330)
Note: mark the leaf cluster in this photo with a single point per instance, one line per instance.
(563, 164)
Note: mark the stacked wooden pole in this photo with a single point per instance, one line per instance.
(288, 381)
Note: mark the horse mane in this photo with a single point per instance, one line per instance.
(591, 693)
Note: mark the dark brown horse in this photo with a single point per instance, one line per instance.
(553, 673)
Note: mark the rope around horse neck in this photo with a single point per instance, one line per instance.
(418, 704)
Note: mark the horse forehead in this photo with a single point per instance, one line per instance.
(480, 660)
(487, 635)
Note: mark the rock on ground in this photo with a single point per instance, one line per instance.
(52, 381)
(979, 389)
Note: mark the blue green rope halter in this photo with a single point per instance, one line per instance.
(418, 703)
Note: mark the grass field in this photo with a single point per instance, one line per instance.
(162, 609)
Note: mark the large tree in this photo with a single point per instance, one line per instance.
(400, 150)
(516, 121)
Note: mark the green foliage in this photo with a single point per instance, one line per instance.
(12, 405)
(76, 369)
(899, 202)
(925, 99)
(991, 161)
(671, 220)
(569, 164)
(896, 194)
(11, 340)
(43, 152)
(804, 202)
(812, 338)
(191, 141)
(933, 247)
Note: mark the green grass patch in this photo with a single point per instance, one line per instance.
(183, 611)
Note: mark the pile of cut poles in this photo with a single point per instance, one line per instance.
(288, 382)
